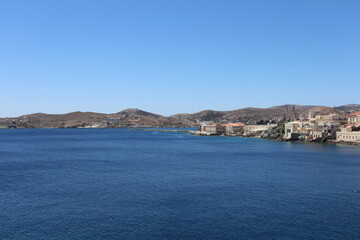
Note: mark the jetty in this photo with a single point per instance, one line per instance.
(159, 130)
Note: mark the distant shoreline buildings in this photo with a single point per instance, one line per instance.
(234, 129)
(282, 123)
(334, 127)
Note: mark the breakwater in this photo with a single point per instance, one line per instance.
(159, 130)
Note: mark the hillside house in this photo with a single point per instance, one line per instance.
(354, 118)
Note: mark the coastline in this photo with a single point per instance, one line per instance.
(197, 133)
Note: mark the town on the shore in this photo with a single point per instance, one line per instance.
(307, 123)
(334, 127)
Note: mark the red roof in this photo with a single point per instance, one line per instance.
(352, 125)
(234, 124)
(355, 114)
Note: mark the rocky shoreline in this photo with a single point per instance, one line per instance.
(275, 134)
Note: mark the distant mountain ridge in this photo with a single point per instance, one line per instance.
(133, 117)
(135, 111)
(254, 114)
(349, 108)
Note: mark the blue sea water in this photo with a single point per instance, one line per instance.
(122, 184)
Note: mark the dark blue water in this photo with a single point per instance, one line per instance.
(120, 184)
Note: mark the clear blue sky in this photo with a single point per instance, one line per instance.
(176, 56)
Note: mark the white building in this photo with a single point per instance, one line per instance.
(250, 129)
(349, 133)
(354, 118)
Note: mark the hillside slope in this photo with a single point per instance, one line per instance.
(138, 118)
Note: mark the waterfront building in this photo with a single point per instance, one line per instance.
(292, 129)
(233, 128)
(230, 128)
(252, 129)
(213, 129)
(303, 127)
(349, 133)
(317, 135)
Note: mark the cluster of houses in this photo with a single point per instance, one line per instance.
(336, 127)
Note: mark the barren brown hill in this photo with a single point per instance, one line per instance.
(138, 118)
(350, 108)
(125, 118)
(253, 115)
